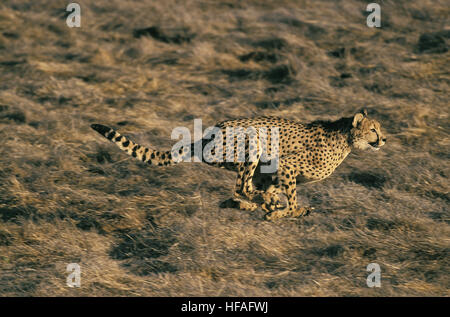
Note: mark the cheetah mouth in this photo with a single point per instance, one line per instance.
(374, 145)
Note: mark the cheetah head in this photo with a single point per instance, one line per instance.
(366, 133)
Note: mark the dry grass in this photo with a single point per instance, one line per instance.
(66, 195)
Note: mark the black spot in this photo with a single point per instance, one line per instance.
(111, 135)
(126, 143)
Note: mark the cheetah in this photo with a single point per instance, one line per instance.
(305, 153)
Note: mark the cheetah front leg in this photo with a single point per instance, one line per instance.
(271, 199)
(292, 209)
(286, 181)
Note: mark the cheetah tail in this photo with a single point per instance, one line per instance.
(140, 152)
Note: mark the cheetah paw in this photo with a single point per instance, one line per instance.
(277, 214)
(300, 212)
(271, 206)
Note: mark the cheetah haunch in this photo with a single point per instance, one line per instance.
(305, 153)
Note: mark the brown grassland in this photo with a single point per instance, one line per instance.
(67, 195)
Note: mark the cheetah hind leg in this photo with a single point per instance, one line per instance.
(244, 193)
(292, 209)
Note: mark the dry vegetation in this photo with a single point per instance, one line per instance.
(146, 67)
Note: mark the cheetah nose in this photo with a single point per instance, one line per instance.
(383, 139)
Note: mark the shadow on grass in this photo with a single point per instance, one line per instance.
(141, 249)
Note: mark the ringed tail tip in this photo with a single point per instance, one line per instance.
(100, 128)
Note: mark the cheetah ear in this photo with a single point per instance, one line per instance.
(357, 119)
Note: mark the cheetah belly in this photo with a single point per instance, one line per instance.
(311, 177)
(316, 166)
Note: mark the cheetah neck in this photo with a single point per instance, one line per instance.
(342, 125)
(339, 135)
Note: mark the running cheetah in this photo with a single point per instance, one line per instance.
(303, 153)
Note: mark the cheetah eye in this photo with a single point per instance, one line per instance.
(373, 130)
